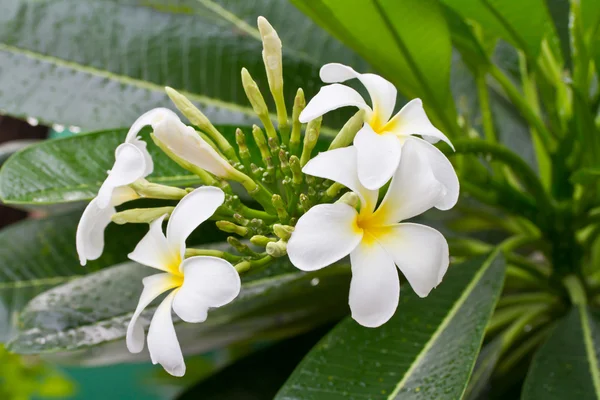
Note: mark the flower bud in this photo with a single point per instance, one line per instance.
(311, 136)
(277, 249)
(346, 135)
(350, 198)
(260, 240)
(140, 215)
(230, 227)
(283, 232)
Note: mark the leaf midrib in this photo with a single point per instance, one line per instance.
(446, 321)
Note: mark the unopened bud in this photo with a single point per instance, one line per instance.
(296, 170)
(350, 198)
(240, 140)
(299, 104)
(305, 202)
(311, 136)
(140, 215)
(280, 208)
(260, 240)
(276, 249)
(230, 227)
(240, 247)
(346, 135)
(283, 232)
(157, 191)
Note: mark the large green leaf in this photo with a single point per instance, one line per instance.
(99, 64)
(73, 168)
(426, 351)
(95, 310)
(405, 40)
(524, 24)
(36, 255)
(567, 364)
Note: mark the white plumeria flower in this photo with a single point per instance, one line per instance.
(373, 237)
(132, 162)
(199, 282)
(380, 140)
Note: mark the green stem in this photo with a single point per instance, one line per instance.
(212, 253)
(526, 111)
(575, 289)
(484, 106)
(524, 298)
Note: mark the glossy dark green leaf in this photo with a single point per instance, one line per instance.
(407, 41)
(426, 351)
(567, 364)
(100, 64)
(95, 310)
(484, 367)
(36, 255)
(73, 168)
(524, 24)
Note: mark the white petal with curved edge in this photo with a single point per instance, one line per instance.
(340, 165)
(332, 97)
(143, 146)
(154, 250)
(443, 171)
(324, 235)
(412, 120)
(382, 92)
(207, 282)
(123, 194)
(375, 287)
(151, 118)
(129, 166)
(186, 143)
(420, 252)
(378, 157)
(154, 286)
(162, 340)
(195, 208)
(414, 189)
(89, 239)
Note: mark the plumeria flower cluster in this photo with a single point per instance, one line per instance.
(316, 210)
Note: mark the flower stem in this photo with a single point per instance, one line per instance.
(212, 253)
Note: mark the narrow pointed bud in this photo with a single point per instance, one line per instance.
(280, 208)
(273, 66)
(141, 215)
(243, 266)
(350, 198)
(196, 117)
(260, 240)
(239, 218)
(299, 104)
(258, 103)
(240, 140)
(310, 139)
(333, 190)
(156, 191)
(305, 202)
(261, 142)
(240, 247)
(296, 170)
(283, 232)
(346, 135)
(276, 249)
(284, 163)
(230, 227)
(257, 172)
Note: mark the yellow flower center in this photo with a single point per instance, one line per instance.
(371, 226)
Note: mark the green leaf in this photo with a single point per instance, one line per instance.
(96, 309)
(100, 64)
(405, 40)
(567, 364)
(464, 39)
(524, 24)
(73, 168)
(426, 351)
(36, 255)
(483, 370)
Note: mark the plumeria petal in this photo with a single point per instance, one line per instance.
(162, 340)
(412, 120)
(154, 250)
(443, 171)
(375, 287)
(187, 144)
(324, 235)
(150, 118)
(208, 282)
(414, 189)
(154, 286)
(419, 251)
(382, 93)
(140, 144)
(195, 208)
(332, 97)
(340, 165)
(89, 238)
(129, 166)
(378, 157)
